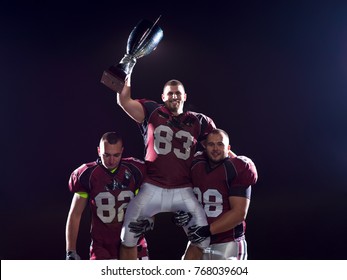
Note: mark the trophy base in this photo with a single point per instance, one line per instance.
(114, 78)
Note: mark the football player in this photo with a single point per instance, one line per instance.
(222, 182)
(107, 185)
(171, 137)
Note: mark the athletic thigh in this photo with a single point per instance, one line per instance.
(146, 203)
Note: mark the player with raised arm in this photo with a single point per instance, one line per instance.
(171, 137)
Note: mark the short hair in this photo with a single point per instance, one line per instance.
(112, 137)
(220, 131)
(173, 82)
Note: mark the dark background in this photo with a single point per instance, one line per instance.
(271, 73)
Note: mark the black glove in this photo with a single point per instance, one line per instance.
(72, 255)
(141, 226)
(181, 218)
(197, 234)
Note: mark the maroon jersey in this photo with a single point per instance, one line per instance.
(109, 195)
(214, 186)
(170, 143)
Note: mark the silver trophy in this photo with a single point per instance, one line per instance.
(142, 40)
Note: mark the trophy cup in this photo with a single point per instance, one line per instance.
(142, 40)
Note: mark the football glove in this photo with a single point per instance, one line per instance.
(181, 218)
(197, 234)
(141, 226)
(72, 255)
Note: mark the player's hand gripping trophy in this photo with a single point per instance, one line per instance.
(142, 40)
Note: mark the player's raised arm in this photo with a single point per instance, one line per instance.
(131, 106)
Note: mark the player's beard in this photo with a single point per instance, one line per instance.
(174, 108)
(215, 158)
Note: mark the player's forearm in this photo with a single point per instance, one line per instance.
(71, 233)
(227, 221)
(124, 96)
(132, 107)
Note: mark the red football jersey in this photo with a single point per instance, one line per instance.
(109, 195)
(214, 186)
(170, 143)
